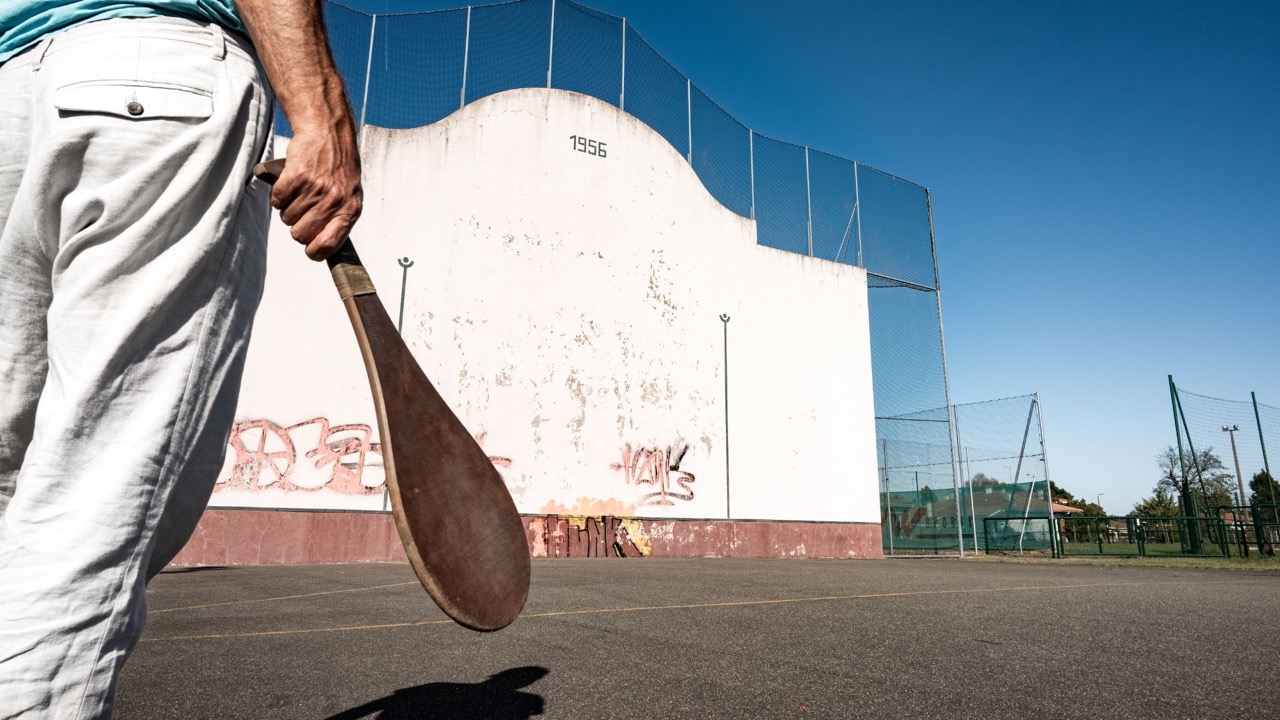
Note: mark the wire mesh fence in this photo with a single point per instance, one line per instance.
(1222, 446)
(1021, 535)
(1000, 458)
(413, 69)
(1001, 452)
(1173, 536)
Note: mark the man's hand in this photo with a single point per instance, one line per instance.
(318, 194)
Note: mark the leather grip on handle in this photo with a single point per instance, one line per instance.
(349, 275)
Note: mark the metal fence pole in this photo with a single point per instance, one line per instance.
(848, 227)
(858, 208)
(368, 73)
(888, 499)
(551, 46)
(688, 114)
(1182, 461)
(1048, 483)
(466, 56)
(1263, 442)
(1197, 543)
(751, 148)
(622, 95)
(808, 197)
(955, 428)
(942, 341)
(973, 510)
(953, 414)
(724, 320)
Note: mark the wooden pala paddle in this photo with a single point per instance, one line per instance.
(457, 521)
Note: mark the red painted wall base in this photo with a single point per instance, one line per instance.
(265, 537)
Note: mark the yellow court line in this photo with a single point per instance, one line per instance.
(699, 606)
(281, 597)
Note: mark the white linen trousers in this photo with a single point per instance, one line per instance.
(132, 259)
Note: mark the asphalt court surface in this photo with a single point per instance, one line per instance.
(715, 638)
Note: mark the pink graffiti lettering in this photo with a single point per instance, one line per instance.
(266, 455)
(656, 467)
(341, 458)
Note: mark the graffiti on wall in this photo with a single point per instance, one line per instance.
(596, 536)
(657, 468)
(310, 455)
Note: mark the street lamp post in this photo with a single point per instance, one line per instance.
(1231, 430)
(1235, 513)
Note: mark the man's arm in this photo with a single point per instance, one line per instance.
(319, 194)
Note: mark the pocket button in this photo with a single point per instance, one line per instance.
(134, 108)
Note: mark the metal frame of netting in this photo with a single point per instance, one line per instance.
(1000, 455)
(413, 69)
(1236, 432)
(1000, 447)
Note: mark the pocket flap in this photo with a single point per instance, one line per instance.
(135, 101)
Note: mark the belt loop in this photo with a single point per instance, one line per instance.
(41, 49)
(219, 41)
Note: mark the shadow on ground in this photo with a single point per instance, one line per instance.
(498, 698)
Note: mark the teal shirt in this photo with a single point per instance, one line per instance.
(24, 22)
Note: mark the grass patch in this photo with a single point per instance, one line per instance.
(1253, 562)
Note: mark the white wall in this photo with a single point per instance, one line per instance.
(568, 306)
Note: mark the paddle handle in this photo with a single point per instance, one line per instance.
(348, 273)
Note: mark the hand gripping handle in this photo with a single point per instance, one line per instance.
(348, 272)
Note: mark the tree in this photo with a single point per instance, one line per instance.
(1162, 503)
(981, 480)
(1264, 490)
(1064, 497)
(1060, 495)
(1203, 481)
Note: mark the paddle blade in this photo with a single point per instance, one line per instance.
(456, 519)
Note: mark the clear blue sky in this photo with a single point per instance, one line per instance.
(1105, 184)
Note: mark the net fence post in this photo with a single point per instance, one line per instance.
(973, 510)
(1182, 461)
(888, 499)
(1031, 488)
(368, 73)
(808, 198)
(958, 443)
(1048, 483)
(1263, 442)
(622, 92)
(942, 342)
(1197, 544)
(466, 57)
(857, 208)
(551, 44)
(688, 115)
(751, 152)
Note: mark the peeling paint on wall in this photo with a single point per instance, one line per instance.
(569, 314)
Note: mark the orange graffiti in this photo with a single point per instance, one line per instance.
(597, 536)
(589, 506)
